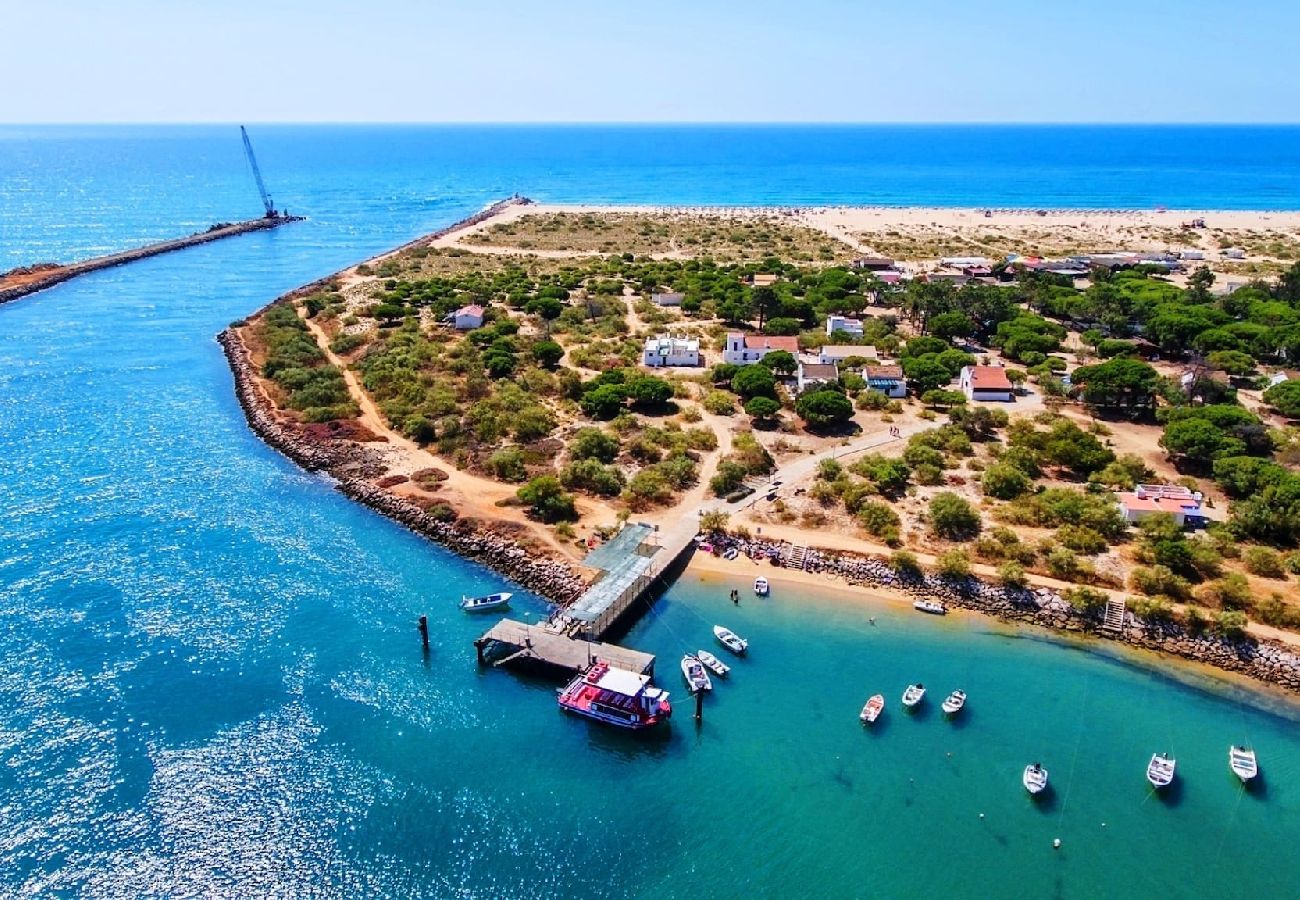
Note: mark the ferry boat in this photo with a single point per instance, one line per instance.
(697, 679)
(874, 707)
(1035, 778)
(616, 697)
(761, 586)
(483, 604)
(954, 703)
(929, 606)
(1242, 762)
(712, 663)
(914, 694)
(732, 641)
(1160, 771)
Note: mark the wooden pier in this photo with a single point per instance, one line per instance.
(509, 641)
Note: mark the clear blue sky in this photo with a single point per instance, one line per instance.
(668, 60)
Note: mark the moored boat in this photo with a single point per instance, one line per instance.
(1242, 762)
(761, 586)
(697, 678)
(712, 663)
(872, 710)
(914, 694)
(731, 553)
(616, 697)
(931, 607)
(1160, 771)
(954, 702)
(483, 604)
(732, 641)
(1035, 778)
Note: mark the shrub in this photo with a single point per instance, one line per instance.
(592, 475)
(878, 518)
(508, 464)
(821, 409)
(905, 563)
(1004, 481)
(928, 475)
(829, 469)
(762, 407)
(719, 403)
(1081, 539)
(1231, 624)
(1232, 591)
(1062, 564)
(1264, 562)
(729, 477)
(714, 520)
(647, 488)
(1086, 600)
(1160, 581)
(593, 443)
(1012, 574)
(953, 563)
(953, 518)
(1153, 609)
(754, 381)
(547, 499)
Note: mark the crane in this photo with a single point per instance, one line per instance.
(271, 211)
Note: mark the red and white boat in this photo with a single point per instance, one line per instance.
(616, 697)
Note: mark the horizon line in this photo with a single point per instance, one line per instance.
(683, 123)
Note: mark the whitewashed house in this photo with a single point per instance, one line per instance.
(467, 318)
(986, 383)
(837, 353)
(888, 380)
(816, 373)
(742, 349)
(667, 299)
(1149, 499)
(668, 350)
(852, 327)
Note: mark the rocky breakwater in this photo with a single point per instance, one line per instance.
(1267, 661)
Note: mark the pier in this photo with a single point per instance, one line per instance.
(30, 279)
(632, 565)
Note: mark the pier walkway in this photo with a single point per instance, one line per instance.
(543, 644)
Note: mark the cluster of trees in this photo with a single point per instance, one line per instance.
(930, 363)
(1198, 435)
(296, 363)
(609, 393)
(1120, 383)
(747, 457)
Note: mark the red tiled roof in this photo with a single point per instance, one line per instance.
(763, 342)
(1158, 504)
(472, 310)
(989, 378)
(883, 371)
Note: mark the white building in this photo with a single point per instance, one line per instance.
(742, 349)
(1149, 499)
(888, 380)
(667, 350)
(986, 383)
(667, 299)
(837, 353)
(816, 373)
(468, 317)
(841, 323)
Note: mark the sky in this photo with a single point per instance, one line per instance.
(663, 61)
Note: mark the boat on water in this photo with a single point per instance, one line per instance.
(697, 677)
(1242, 762)
(872, 710)
(761, 586)
(616, 697)
(954, 702)
(1160, 771)
(732, 641)
(914, 694)
(931, 607)
(1035, 778)
(712, 663)
(484, 604)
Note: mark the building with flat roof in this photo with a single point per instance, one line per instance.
(851, 327)
(669, 350)
(888, 380)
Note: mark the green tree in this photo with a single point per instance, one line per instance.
(820, 409)
(765, 302)
(604, 402)
(649, 392)
(1005, 481)
(547, 500)
(781, 361)
(762, 407)
(938, 398)
(1127, 383)
(546, 308)
(1234, 362)
(953, 518)
(754, 381)
(548, 354)
(951, 325)
(1285, 398)
(593, 443)
(1198, 441)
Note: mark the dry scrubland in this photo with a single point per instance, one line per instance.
(542, 419)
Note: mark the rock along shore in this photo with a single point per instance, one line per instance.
(353, 466)
(1266, 661)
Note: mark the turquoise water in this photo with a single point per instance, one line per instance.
(210, 679)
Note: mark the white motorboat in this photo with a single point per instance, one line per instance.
(1160, 771)
(697, 678)
(929, 606)
(484, 604)
(874, 707)
(1035, 778)
(731, 553)
(729, 639)
(712, 663)
(954, 702)
(914, 694)
(761, 586)
(1242, 762)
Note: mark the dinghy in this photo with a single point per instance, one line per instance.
(697, 679)
(729, 639)
(929, 606)
(914, 694)
(761, 586)
(1242, 762)
(955, 701)
(1160, 771)
(484, 604)
(874, 707)
(712, 663)
(1035, 778)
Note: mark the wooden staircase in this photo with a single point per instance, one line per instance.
(794, 557)
(1113, 619)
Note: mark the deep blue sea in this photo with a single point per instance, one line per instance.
(210, 680)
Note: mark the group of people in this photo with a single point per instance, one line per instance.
(895, 431)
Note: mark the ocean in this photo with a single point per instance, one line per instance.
(210, 677)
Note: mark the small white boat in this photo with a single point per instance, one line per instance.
(1035, 778)
(729, 639)
(929, 606)
(954, 702)
(761, 586)
(696, 676)
(1242, 762)
(1160, 771)
(874, 707)
(914, 694)
(731, 553)
(712, 663)
(483, 604)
